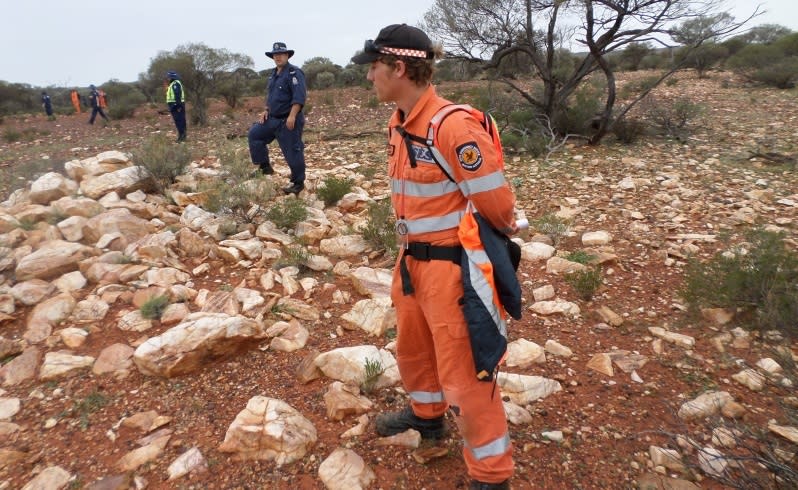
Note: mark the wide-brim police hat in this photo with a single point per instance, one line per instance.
(278, 48)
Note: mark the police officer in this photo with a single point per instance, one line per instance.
(176, 100)
(47, 104)
(283, 119)
(94, 100)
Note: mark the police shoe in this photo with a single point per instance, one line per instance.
(389, 424)
(294, 188)
(266, 169)
(478, 485)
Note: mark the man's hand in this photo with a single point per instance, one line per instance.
(264, 116)
(290, 122)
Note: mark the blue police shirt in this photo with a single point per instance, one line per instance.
(284, 90)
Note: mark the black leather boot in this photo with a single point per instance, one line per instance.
(389, 424)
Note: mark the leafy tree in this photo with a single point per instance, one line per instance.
(764, 34)
(314, 67)
(353, 75)
(202, 69)
(774, 64)
(232, 86)
(703, 57)
(632, 56)
(16, 97)
(488, 32)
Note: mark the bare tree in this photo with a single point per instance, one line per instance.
(490, 32)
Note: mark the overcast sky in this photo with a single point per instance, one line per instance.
(60, 43)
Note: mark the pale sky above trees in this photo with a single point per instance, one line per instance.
(51, 42)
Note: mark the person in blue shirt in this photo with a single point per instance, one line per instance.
(47, 105)
(176, 101)
(283, 119)
(94, 100)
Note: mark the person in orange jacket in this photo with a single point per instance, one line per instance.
(75, 96)
(433, 348)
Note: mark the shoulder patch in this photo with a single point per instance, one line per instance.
(296, 82)
(469, 156)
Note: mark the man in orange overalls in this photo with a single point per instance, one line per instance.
(433, 347)
(75, 100)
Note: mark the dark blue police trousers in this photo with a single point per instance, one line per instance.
(290, 141)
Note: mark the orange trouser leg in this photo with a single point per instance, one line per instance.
(434, 354)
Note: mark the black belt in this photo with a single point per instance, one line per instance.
(284, 116)
(425, 251)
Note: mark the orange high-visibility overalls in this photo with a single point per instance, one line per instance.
(433, 347)
(75, 101)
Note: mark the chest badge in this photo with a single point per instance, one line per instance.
(469, 156)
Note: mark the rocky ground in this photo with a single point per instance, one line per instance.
(624, 391)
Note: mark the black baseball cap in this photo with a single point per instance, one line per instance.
(398, 40)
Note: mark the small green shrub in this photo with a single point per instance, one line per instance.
(11, 135)
(237, 193)
(553, 227)
(124, 106)
(628, 130)
(334, 188)
(163, 160)
(373, 371)
(154, 307)
(369, 171)
(373, 102)
(672, 117)
(580, 257)
(287, 213)
(585, 282)
(758, 279)
(578, 116)
(296, 256)
(93, 402)
(379, 229)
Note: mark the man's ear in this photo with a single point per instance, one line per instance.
(400, 68)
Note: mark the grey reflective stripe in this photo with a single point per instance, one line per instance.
(468, 187)
(445, 111)
(483, 288)
(437, 223)
(416, 189)
(493, 448)
(427, 396)
(482, 184)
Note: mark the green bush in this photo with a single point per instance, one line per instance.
(334, 188)
(553, 227)
(580, 257)
(379, 229)
(287, 213)
(296, 256)
(154, 307)
(585, 282)
(11, 135)
(775, 65)
(373, 371)
(578, 116)
(163, 160)
(237, 193)
(672, 117)
(124, 107)
(628, 129)
(758, 279)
